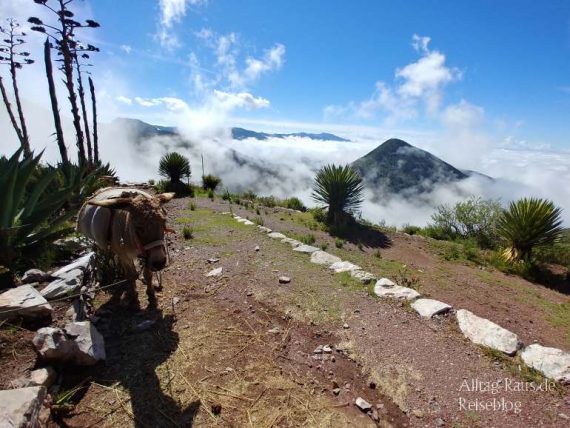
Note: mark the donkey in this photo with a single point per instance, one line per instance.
(131, 223)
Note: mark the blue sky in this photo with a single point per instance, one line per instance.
(509, 60)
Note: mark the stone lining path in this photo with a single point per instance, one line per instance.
(553, 363)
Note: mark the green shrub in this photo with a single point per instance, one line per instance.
(192, 206)
(188, 232)
(268, 201)
(249, 195)
(319, 214)
(474, 218)
(227, 196)
(529, 223)
(308, 239)
(340, 189)
(324, 246)
(360, 246)
(151, 182)
(339, 242)
(211, 194)
(411, 230)
(258, 220)
(210, 182)
(294, 203)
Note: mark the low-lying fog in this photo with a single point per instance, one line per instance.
(286, 167)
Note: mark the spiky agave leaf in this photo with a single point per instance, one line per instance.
(339, 188)
(528, 223)
(174, 166)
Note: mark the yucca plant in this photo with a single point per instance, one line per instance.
(174, 166)
(339, 189)
(529, 223)
(210, 182)
(29, 215)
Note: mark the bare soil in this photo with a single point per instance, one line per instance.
(238, 350)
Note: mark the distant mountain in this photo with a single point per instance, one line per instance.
(142, 130)
(242, 134)
(398, 167)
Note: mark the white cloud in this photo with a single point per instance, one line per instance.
(124, 100)
(272, 60)
(172, 12)
(126, 48)
(421, 82)
(245, 100)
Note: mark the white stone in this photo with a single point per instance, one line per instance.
(276, 235)
(237, 217)
(79, 343)
(85, 262)
(362, 404)
(292, 242)
(551, 362)
(242, 220)
(90, 345)
(34, 275)
(23, 301)
(43, 377)
(362, 276)
(216, 272)
(263, 228)
(248, 223)
(386, 288)
(484, 332)
(385, 282)
(427, 308)
(339, 267)
(66, 284)
(306, 249)
(324, 258)
(21, 407)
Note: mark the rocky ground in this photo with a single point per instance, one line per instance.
(242, 348)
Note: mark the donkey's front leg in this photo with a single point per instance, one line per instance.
(149, 287)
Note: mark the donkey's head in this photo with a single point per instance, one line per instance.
(147, 224)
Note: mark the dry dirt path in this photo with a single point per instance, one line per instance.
(237, 349)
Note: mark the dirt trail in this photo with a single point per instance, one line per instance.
(244, 344)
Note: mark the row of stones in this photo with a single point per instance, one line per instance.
(551, 362)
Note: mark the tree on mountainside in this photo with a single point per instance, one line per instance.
(340, 189)
(64, 42)
(11, 55)
(94, 121)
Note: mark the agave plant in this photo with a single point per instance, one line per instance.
(174, 166)
(340, 189)
(529, 223)
(29, 216)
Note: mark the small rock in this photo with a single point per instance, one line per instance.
(23, 301)
(43, 377)
(439, 422)
(264, 229)
(257, 248)
(427, 308)
(21, 407)
(327, 349)
(362, 276)
(375, 417)
(362, 404)
(551, 362)
(274, 330)
(249, 294)
(175, 300)
(216, 408)
(345, 326)
(336, 391)
(213, 260)
(564, 416)
(215, 272)
(386, 288)
(35, 275)
(276, 235)
(284, 280)
(418, 413)
(67, 283)
(318, 350)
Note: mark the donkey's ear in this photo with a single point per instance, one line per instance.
(111, 203)
(165, 197)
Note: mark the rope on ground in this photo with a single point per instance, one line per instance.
(61, 299)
